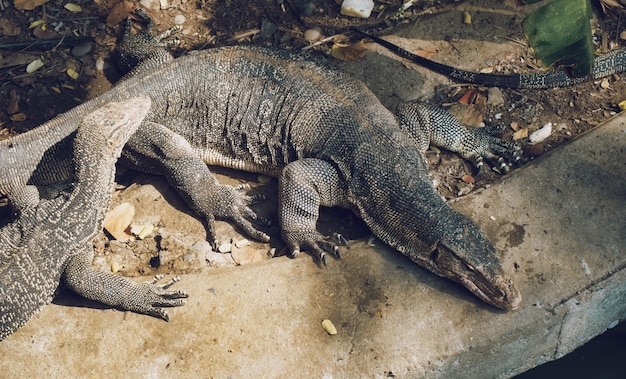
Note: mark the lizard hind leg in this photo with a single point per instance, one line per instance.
(304, 186)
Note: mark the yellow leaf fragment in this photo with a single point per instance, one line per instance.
(72, 73)
(467, 18)
(141, 231)
(74, 8)
(18, 117)
(348, 52)
(116, 266)
(622, 105)
(35, 24)
(329, 327)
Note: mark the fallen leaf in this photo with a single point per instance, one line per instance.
(36, 23)
(120, 12)
(72, 73)
(116, 266)
(43, 32)
(519, 134)
(118, 220)
(74, 8)
(468, 179)
(13, 106)
(8, 27)
(348, 53)
(28, 5)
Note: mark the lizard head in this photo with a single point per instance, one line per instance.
(465, 256)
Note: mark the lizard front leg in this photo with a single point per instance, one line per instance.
(146, 298)
(156, 149)
(304, 186)
(428, 124)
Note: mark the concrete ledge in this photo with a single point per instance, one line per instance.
(559, 223)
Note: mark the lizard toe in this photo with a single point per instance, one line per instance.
(315, 244)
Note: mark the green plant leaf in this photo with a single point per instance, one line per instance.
(560, 32)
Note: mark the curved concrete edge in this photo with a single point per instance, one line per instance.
(558, 223)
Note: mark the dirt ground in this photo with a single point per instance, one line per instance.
(75, 47)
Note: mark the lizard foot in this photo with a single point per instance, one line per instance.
(501, 154)
(149, 298)
(315, 243)
(232, 204)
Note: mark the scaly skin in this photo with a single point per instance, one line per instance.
(322, 132)
(51, 242)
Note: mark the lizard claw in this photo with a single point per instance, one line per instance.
(231, 204)
(315, 243)
(149, 298)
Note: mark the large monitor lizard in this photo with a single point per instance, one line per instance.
(604, 65)
(324, 134)
(51, 242)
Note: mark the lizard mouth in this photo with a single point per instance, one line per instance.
(507, 298)
(488, 282)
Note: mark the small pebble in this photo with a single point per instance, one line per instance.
(495, 96)
(225, 248)
(329, 327)
(202, 246)
(313, 34)
(100, 64)
(242, 243)
(357, 8)
(154, 5)
(267, 29)
(179, 19)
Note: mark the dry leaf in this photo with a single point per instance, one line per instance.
(8, 27)
(348, 52)
(28, 5)
(117, 221)
(468, 179)
(13, 106)
(522, 133)
(74, 8)
(72, 73)
(120, 12)
(43, 32)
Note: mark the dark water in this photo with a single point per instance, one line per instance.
(604, 357)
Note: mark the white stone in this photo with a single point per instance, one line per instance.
(540, 134)
(357, 8)
(179, 19)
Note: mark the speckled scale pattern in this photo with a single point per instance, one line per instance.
(51, 241)
(268, 110)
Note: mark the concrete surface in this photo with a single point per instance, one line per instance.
(559, 223)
